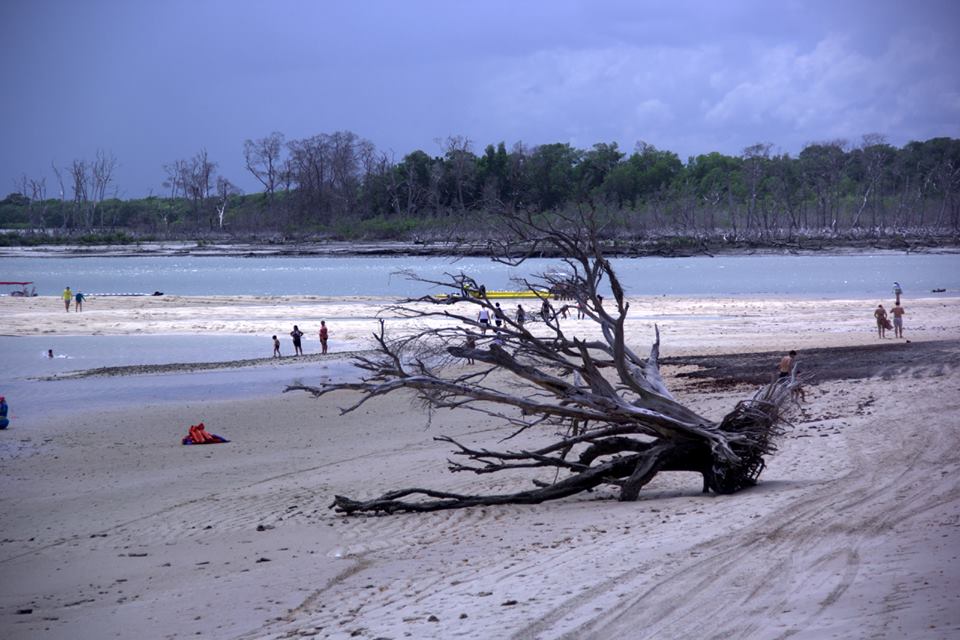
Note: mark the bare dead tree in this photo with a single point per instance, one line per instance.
(225, 189)
(64, 212)
(264, 160)
(38, 202)
(609, 413)
(81, 191)
(101, 175)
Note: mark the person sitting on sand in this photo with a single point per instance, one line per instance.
(324, 334)
(897, 313)
(881, 315)
(276, 347)
(296, 334)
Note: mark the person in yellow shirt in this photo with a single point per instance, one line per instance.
(67, 297)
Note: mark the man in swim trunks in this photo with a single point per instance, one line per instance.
(897, 313)
(786, 364)
(78, 301)
(483, 317)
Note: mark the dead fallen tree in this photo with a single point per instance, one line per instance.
(611, 418)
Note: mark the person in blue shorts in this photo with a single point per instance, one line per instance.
(4, 410)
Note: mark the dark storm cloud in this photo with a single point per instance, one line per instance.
(152, 82)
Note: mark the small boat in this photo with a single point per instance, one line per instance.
(22, 292)
(494, 294)
(131, 294)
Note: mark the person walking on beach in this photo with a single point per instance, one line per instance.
(483, 317)
(67, 297)
(498, 315)
(897, 313)
(276, 347)
(881, 315)
(324, 334)
(296, 334)
(78, 301)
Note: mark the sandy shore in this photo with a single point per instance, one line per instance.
(687, 325)
(111, 528)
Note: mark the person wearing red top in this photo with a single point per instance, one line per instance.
(323, 336)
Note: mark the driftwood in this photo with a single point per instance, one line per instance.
(620, 424)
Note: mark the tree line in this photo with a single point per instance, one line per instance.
(340, 185)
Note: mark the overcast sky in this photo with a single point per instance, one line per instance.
(152, 81)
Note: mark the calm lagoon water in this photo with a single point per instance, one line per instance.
(823, 276)
(847, 276)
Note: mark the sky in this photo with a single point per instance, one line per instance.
(154, 81)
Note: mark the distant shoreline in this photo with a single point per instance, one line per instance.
(648, 248)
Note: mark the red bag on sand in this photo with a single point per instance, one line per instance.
(198, 435)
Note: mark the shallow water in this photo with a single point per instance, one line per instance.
(846, 276)
(25, 360)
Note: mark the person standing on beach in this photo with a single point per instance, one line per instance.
(881, 315)
(546, 311)
(897, 313)
(78, 301)
(785, 369)
(67, 297)
(786, 365)
(276, 347)
(521, 315)
(4, 410)
(296, 334)
(324, 334)
(483, 317)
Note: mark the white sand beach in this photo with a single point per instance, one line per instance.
(111, 528)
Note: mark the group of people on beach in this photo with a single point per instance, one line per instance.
(77, 299)
(883, 319)
(297, 336)
(547, 313)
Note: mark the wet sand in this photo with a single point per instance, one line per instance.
(111, 527)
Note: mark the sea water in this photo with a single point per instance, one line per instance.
(24, 359)
(829, 276)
